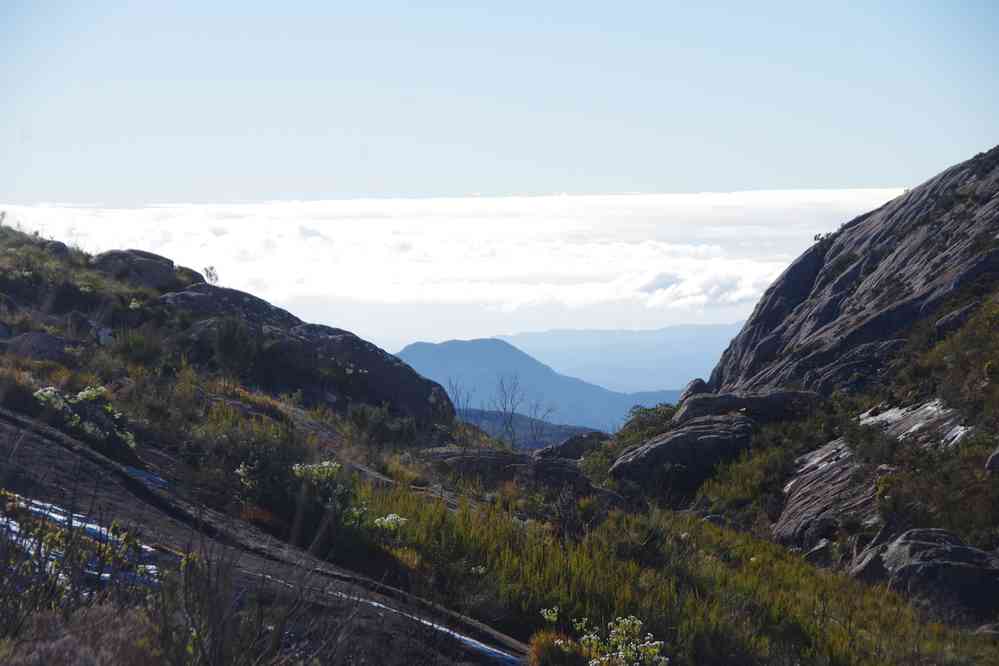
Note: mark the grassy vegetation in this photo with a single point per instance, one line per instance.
(713, 595)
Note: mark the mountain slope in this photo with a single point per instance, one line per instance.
(627, 361)
(841, 310)
(477, 364)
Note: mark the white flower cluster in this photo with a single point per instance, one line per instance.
(246, 476)
(52, 398)
(391, 522)
(89, 394)
(623, 646)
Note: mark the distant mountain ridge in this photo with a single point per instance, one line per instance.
(630, 360)
(478, 364)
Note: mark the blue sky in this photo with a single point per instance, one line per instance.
(138, 102)
(364, 163)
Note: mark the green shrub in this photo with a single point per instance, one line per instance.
(235, 347)
(713, 595)
(143, 346)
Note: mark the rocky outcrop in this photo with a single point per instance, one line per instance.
(56, 248)
(992, 464)
(823, 494)
(838, 314)
(936, 567)
(357, 371)
(928, 425)
(693, 387)
(144, 269)
(763, 407)
(492, 466)
(954, 319)
(282, 354)
(205, 301)
(575, 447)
(829, 487)
(39, 347)
(687, 455)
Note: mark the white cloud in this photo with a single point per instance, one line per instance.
(479, 266)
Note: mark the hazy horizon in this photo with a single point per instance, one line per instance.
(396, 271)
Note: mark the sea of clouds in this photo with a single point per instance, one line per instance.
(399, 270)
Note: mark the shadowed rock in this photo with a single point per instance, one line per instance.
(762, 407)
(40, 347)
(575, 447)
(992, 464)
(693, 387)
(492, 467)
(138, 267)
(937, 567)
(688, 454)
(837, 315)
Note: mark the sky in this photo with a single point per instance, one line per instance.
(455, 171)
(130, 103)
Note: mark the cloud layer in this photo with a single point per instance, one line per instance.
(397, 270)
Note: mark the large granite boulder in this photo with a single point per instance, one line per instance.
(141, 268)
(359, 371)
(838, 314)
(686, 456)
(575, 447)
(762, 407)
(955, 580)
(283, 354)
(824, 493)
(204, 301)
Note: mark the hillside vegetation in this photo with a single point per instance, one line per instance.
(204, 414)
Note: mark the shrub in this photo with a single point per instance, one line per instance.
(235, 347)
(551, 648)
(143, 345)
(90, 416)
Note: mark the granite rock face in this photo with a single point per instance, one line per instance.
(693, 387)
(823, 494)
(936, 567)
(686, 455)
(138, 267)
(838, 314)
(39, 346)
(327, 365)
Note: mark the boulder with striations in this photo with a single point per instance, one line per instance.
(837, 316)
(955, 580)
(686, 455)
